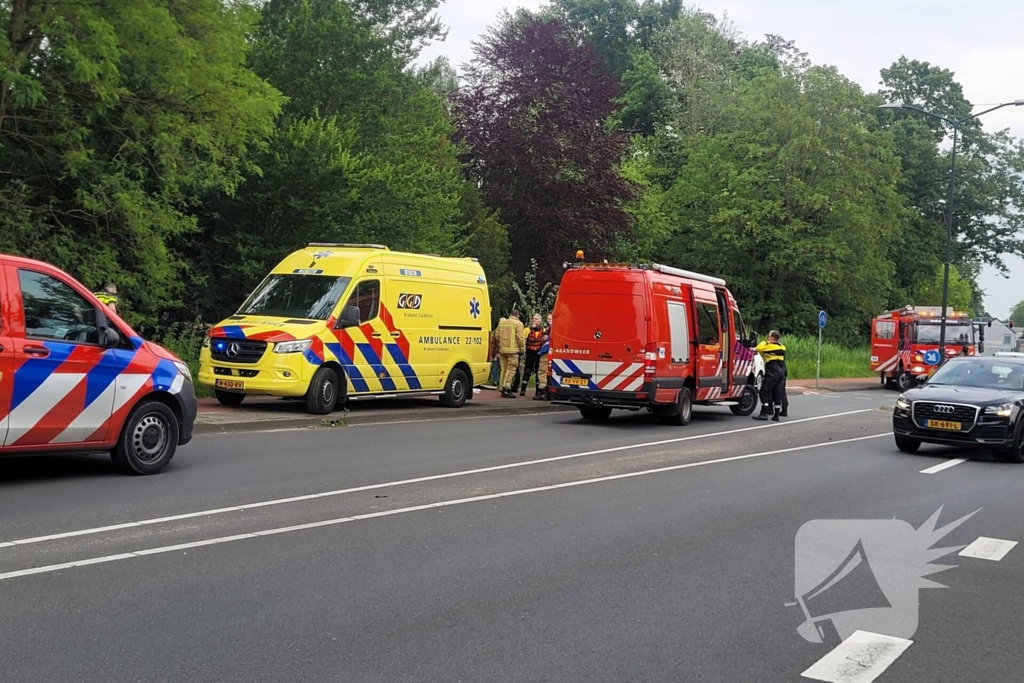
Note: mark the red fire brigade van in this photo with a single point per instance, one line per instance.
(901, 337)
(648, 337)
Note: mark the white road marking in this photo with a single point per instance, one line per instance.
(418, 508)
(984, 548)
(861, 658)
(944, 466)
(404, 482)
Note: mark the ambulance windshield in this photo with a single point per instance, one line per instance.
(928, 333)
(309, 297)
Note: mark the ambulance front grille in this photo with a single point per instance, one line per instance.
(237, 350)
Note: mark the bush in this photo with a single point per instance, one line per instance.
(837, 361)
(185, 341)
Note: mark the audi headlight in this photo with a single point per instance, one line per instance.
(1005, 410)
(903, 403)
(298, 346)
(183, 369)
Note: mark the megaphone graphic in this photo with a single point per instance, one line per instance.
(851, 586)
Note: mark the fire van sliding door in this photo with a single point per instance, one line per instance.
(710, 366)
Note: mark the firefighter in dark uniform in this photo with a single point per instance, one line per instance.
(773, 387)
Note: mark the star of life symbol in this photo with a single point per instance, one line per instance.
(864, 575)
(322, 254)
(474, 307)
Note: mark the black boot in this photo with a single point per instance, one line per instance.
(784, 413)
(763, 415)
(775, 417)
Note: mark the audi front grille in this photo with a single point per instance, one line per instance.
(966, 415)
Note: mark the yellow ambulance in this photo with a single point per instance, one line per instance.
(337, 322)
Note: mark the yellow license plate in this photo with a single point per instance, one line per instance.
(576, 381)
(942, 424)
(230, 384)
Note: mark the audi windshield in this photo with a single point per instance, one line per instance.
(928, 333)
(981, 373)
(310, 297)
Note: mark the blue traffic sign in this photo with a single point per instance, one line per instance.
(821, 319)
(932, 357)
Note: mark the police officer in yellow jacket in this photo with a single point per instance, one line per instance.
(773, 353)
(511, 343)
(108, 296)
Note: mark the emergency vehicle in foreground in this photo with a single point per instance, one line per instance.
(901, 337)
(337, 322)
(650, 338)
(75, 377)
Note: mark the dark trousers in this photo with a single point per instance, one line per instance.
(532, 368)
(773, 388)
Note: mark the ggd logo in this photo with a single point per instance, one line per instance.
(410, 301)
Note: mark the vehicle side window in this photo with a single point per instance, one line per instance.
(708, 333)
(366, 298)
(737, 322)
(885, 330)
(53, 310)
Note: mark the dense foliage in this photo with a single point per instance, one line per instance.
(181, 149)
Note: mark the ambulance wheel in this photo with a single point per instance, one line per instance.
(228, 398)
(322, 395)
(148, 439)
(747, 402)
(456, 390)
(680, 416)
(595, 414)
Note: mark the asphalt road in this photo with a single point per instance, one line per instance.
(530, 548)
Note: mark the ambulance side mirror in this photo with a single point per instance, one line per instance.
(349, 317)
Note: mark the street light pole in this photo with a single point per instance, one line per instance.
(956, 125)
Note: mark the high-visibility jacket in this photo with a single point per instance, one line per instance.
(510, 336)
(106, 298)
(771, 352)
(534, 340)
(546, 346)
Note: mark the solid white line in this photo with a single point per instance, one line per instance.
(944, 466)
(984, 548)
(861, 658)
(404, 482)
(428, 506)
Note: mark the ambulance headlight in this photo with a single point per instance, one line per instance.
(298, 346)
(183, 369)
(903, 403)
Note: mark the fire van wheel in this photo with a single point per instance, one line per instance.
(907, 445)
(747, 402)
(904, 381)
(148, 439)
(227, 398)
(595, 414)
(322, 395)
(683, 411)
(456, 390)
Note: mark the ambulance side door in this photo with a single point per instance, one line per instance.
(362, 338)
(410, 319)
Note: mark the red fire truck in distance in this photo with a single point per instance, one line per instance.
(900, 338)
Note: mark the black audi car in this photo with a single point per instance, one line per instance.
(971, 401)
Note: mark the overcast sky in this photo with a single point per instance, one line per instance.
(979, 41)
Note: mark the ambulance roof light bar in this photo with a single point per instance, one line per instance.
(341, 245)
(668, 270)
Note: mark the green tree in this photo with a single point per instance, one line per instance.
(362, 153)
(1017, 315)
(114, 118)
(962, 295)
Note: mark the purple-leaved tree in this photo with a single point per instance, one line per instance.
(533, 117)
